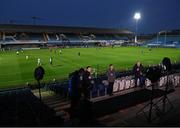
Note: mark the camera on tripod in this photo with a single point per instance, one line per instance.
(154, 74)
(166, 63)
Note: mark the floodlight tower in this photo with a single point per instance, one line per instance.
(137, 17)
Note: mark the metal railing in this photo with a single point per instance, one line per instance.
(126, 83)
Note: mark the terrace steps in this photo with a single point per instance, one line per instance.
(56, 102)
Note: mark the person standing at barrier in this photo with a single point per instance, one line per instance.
(111, 78)
(74, 92)
(138, 72)
(87, 82)
(84, 112)
(80, 79)
(75, 86)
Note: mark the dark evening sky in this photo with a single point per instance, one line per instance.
(156, 14)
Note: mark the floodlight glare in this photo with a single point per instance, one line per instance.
(137, 16)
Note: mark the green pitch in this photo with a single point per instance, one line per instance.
(16, 70)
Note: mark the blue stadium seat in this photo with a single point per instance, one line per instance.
(162, 41)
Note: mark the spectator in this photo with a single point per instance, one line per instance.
(76, 85)
(111, 78)
(138, 72)
(84, 112)
(87, 82)
(74, 93)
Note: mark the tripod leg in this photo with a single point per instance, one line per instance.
(166, 99)
(170, 102)
(158, 111)
(164, 105)
(150, 112)
(39, 89)
(142, 108)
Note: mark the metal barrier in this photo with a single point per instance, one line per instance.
(121, 84)
(125, 83)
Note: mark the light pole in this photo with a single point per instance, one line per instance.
(137, 17)
(165, 37)
(157, 37)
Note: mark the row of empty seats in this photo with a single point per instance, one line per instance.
(22, 38)
(164, 41)
(57, 38)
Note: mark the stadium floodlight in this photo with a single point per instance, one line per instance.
(137, 17)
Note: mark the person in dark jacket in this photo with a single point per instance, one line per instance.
(111, 78)
(76, 81)
(138, 72)
(87, 82)
(84, 112)
(75, 94)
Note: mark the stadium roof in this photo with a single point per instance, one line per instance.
(173, 32)
(60, 29)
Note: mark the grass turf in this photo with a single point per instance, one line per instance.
(16, 71)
